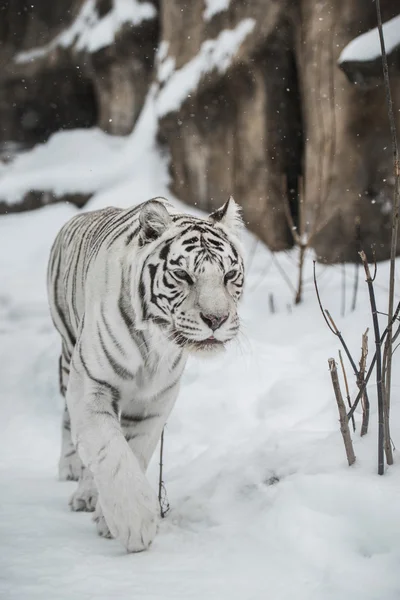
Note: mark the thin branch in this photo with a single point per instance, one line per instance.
(357, 265)
(282, 272)
(343, 306)
(288, 214)
(162, 495)
(360, 381)
(345, 348)
(371, 367)
(333, 327)
(346, 385)
(375, 266)
(271, 303)
(251, 256)
(300, 282)
(386, 400)
(379, 386)
(355, 287)
(388, 353)
(344, 426)
(319, 301)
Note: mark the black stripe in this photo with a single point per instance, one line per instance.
(109, 331)
(138, 418)
(115, 394)
(70, 337)
(132, 235)
(116, 367)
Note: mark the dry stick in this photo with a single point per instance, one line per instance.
(251, 256)
(357, 266)
(344, 426)
(299, 241)
(343, 307)
(347, 389)
(345, 348)
(299, 293)
(379, 387)
(360, 381)
(271, 303)
(371, 367)
(164, 505)
(281, 270)
(355, 288)
(333, 327)
(387, 363)
(396, 335)
(262, 275)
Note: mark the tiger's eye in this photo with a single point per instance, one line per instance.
(230, 275)
(182, 275)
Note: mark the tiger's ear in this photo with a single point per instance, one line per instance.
(154, 219)
(229, 216)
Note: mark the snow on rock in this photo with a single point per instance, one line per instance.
(79, 160)
(90, 32)
(367, 46)
(213, 54)
(215, 6)
(263, 504)
(165, 64)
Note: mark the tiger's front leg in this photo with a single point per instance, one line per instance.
(128, 503)
(142, 432)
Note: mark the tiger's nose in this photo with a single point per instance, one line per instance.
(214, 321)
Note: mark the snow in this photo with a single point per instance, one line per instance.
(90, 32)
(80, 160)
(213, 54)
(263, 504)
(165, 64)
(367, 46)
(214, 7)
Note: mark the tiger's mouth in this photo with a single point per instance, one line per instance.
(208, 345)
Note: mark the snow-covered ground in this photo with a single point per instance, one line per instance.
(263, 504)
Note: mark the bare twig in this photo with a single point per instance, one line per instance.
(360, 382)
(345, 347)
(288, 214)
(271, 303)
(346, 385)
(251, 256)
(343, 307)
(319, 301)
(386, 400)
(371, 367)
(357, 266)
(299, 293)
(344, 426)
(162, 494)
(281, 270)
(387, 363)
(355, 288)
(379, 386)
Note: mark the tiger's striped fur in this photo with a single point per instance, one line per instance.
(131, 292)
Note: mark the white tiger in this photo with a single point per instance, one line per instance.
(131, 293)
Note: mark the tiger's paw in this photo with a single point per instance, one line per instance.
(85, 496)
(101, 525)
(134, 520)
(69, 467)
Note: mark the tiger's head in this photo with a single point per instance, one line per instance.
(192, 277)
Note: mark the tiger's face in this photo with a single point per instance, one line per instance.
(192, 281)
